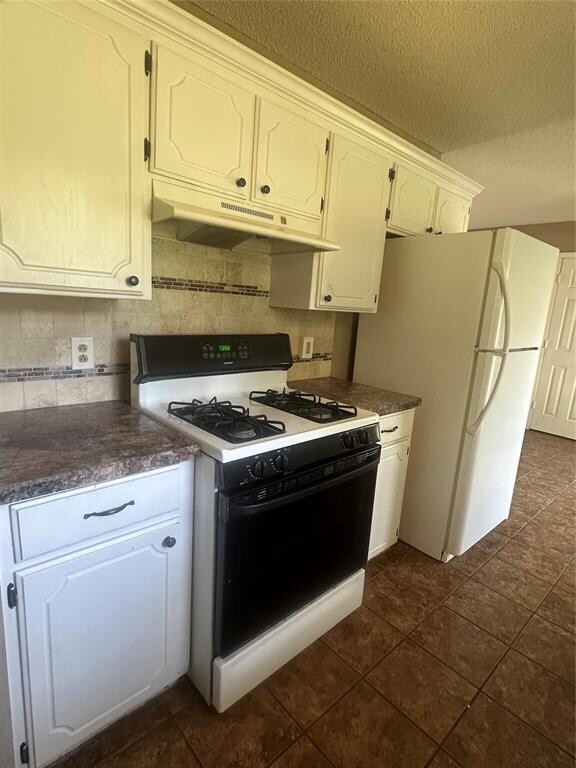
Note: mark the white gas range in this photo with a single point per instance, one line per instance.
(284, 489)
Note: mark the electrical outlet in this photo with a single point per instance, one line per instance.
(307, 347)
(82, 352)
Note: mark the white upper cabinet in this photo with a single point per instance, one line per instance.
(74, 192)
(357, 197)
(420, 206)
(359, 189)
(203, 123)
(452, 213)
(290, 163)
(413, 201)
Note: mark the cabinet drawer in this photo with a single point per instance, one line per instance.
(50, 523)
(396, 426)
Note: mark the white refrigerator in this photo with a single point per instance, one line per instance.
(461, 322)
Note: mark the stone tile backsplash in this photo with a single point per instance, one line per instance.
(194, 290)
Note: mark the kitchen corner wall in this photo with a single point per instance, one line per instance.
(195, 290)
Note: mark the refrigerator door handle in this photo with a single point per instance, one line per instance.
(498, 267)
(475, 426)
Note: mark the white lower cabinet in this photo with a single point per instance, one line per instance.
(98, 635)
(390, 481)
(99, 625)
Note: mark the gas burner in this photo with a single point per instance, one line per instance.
(232, 423)
(304, 404)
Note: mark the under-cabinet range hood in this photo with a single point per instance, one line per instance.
(207, 219)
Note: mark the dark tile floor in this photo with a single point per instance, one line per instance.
(466, 664)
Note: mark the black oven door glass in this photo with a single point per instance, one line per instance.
(276, 556)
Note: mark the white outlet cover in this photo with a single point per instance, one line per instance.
(307, 347)
(78, 352)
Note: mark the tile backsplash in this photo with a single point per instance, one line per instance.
(195, 289)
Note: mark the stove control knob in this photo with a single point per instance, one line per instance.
(364, 437)
(280, 463)
(348, 440)
(257, 469)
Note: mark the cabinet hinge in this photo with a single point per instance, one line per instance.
(327, 145)
(392, 174)
(146, 149)
(12, 595)
(147, 62)
(24, 753)
(321, 204)
(388, 214)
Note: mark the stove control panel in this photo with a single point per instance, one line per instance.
(269, 466)
(229, 350)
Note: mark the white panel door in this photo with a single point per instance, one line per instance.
(359, 189)
(452, 213)
(99, 635)
(491, 453)
(204, 120)
(74, 192)
(555, 401)
(413, 201)
(388, 496)
(291, 159)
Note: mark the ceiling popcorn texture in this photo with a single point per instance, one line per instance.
(444, 73)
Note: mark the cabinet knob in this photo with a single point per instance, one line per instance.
(430, 229)
(265, 189)
(169, 542)
(133, 280)
(328, 297)
(439, 232)
(241, 182)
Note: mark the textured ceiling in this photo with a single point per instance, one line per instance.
(529, 177)
(445, 73)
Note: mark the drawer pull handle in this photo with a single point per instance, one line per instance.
(390, 430)
(108, 512)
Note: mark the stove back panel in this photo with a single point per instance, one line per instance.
(162, 357)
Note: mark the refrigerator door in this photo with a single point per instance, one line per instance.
(422, 341)
(529, 268)
(492, 445)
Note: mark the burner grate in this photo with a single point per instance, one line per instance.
(232, 423)
(309, 406)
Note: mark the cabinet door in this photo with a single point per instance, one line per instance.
(204, 122)
(452, 213)
(358, 193)
(74, 193)
(413, 200)
(101, 632)
(291, 156)
(388, 496)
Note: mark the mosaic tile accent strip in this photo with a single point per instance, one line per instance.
(8, 375)
(181, 284)
(316, 356)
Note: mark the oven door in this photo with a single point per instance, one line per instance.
(277, 555)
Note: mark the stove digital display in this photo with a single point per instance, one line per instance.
(224, 347)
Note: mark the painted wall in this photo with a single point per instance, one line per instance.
(195, 290)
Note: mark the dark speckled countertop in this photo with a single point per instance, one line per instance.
(47, 450)
(381, 401)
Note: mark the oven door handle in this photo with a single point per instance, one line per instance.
(243, 510)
